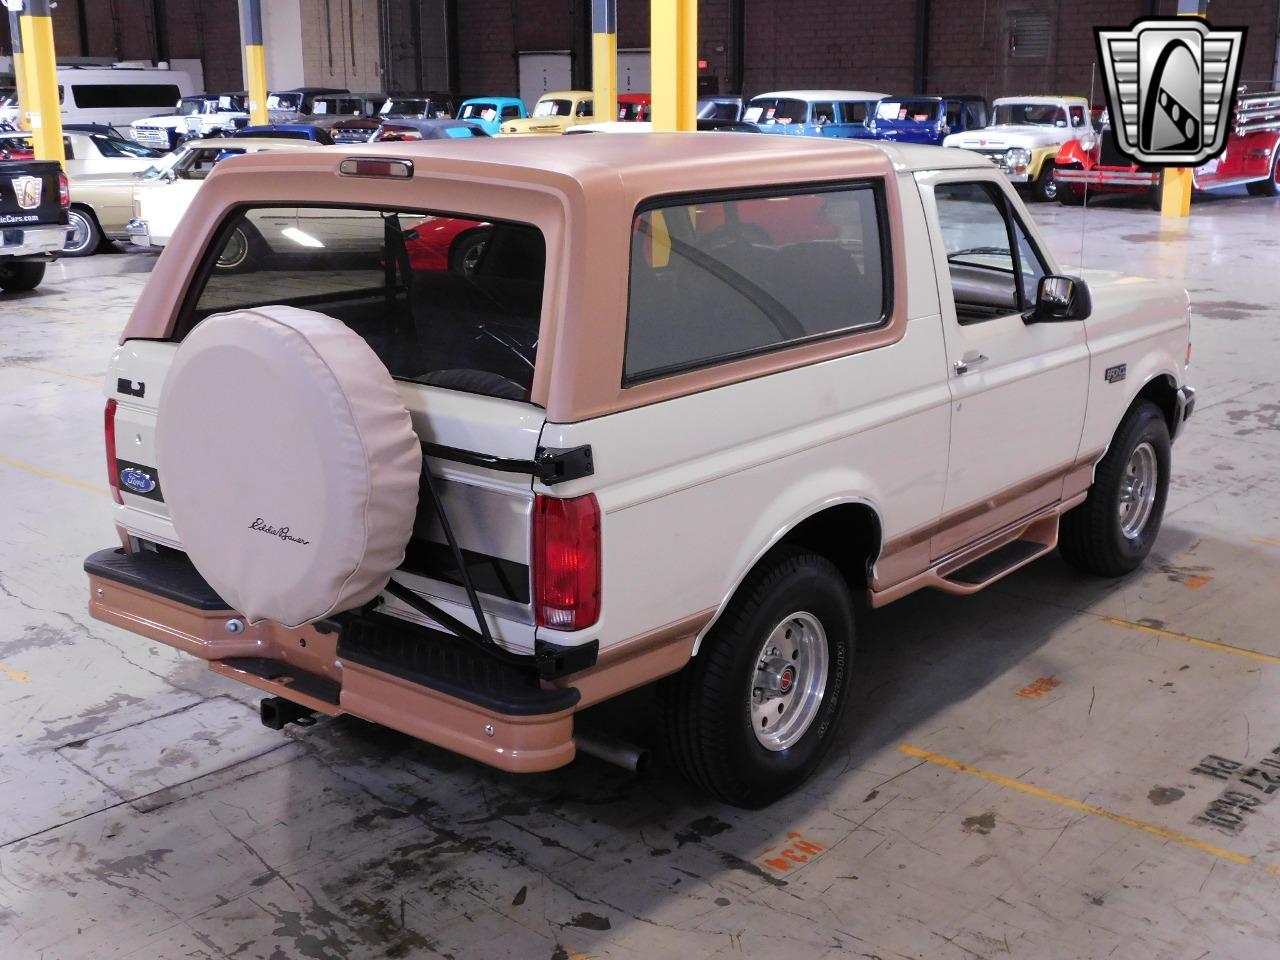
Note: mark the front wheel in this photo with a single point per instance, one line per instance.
(19, 277)
(752, 715)
(1111, 533)
(1269, 187)
(1045, 187)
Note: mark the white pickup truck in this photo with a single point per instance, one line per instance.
(686, 398)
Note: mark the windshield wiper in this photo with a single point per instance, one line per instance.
(990, 251)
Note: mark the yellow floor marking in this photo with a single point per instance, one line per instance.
(52, 476)
(1269, 541)
(1207, 644)
(96, 381)
(13, 674)
(1192, 842)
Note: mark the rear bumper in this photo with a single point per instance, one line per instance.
(139, 232)
(34, 241)
(427, 687)
(1185, 406)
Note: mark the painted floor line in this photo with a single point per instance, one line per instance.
(96, 381)
(13, 674)
(1171, 835)
(1195, 641)
(1269, 541)
(69, 481)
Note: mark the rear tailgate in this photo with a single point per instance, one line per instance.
(478, 447)
(29, 194)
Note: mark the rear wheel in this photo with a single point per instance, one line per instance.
(17, 277)
(1068, 197)
(466, 251)
(752, 715)
(236, 255)
(1111, 533)
(1269, 187)
(83, 235)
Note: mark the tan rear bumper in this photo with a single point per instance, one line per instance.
(303, 665)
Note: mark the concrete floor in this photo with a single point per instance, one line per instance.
(1019, 778)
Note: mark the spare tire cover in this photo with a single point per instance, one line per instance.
(289, 463)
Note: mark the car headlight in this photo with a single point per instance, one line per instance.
(1088, 142)
(1016, 157)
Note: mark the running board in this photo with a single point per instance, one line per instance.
(990, 559)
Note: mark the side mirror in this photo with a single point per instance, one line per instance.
(1060, 299)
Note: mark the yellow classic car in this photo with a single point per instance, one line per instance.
(555, 112)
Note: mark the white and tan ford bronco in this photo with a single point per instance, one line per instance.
(685, 398)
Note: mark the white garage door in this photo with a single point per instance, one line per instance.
(542, 71)
(633, 71)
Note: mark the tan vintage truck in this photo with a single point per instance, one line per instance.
(689, 397)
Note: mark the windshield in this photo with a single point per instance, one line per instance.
(1035, 114)
(193, 106)
(120, 147)
(163, 165)
(632, 111)
(553, 108)
(478, 111)
(716, 110)
(284, 101)
(404, 108)
(776, 110)
(919, 111)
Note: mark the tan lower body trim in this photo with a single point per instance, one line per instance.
(519, 744)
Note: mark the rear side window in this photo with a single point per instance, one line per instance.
(854, 111)
(720, 279)
(107, 95)
(442, 299)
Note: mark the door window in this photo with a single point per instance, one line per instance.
(1077, 116)
(855, 111)
(993, 265)
(824, 113)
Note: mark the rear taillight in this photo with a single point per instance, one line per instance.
(566, 562)
(109, 429)
(64, 190)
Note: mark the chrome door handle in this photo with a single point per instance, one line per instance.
(969, 361)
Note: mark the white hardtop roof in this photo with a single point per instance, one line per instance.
(1041, 98)
(823, 95)
(252, 144)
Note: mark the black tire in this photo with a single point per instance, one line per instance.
(84, 236)
(1091, 537)
(1044, 187)
(706, 707)
(239, 253)
(1069, 198)
(1271, 186)
(467, 249)
(19, 277)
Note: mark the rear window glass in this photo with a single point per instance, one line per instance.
(442, 299)
(717, 280)
(104, 95)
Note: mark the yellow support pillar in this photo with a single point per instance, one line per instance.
(1175, 198)
(604, 58)
(45, 117)
(19, 68)
(673, 44)
(255, 59)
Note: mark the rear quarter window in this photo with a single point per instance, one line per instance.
(442, 298)
(722, 278)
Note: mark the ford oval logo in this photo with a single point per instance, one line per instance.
(138, 481)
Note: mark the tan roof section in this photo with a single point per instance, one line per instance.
(582, 193)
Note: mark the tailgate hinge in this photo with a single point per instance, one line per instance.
(553, 466)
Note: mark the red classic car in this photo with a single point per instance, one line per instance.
(1252, 157)
(634, 106)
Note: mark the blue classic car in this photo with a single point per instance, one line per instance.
(489, 113)
(927, 119)
(813, 113)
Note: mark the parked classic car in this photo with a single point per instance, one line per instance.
(204, 115)
(1026, 135)
(554, 113)
(717, 107)
(634, 106)
(288, 106)
(420, 106)
(1251, 158)
(407, 128)
(160, 200)
(490, 113)
(319, 132)
(33, 220)
(90, 149)
(813, 113)
(635, 443)
(926, 119)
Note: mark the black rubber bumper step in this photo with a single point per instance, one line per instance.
(996, 562)
(448, 665)
(166, 573)
(311, 684)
